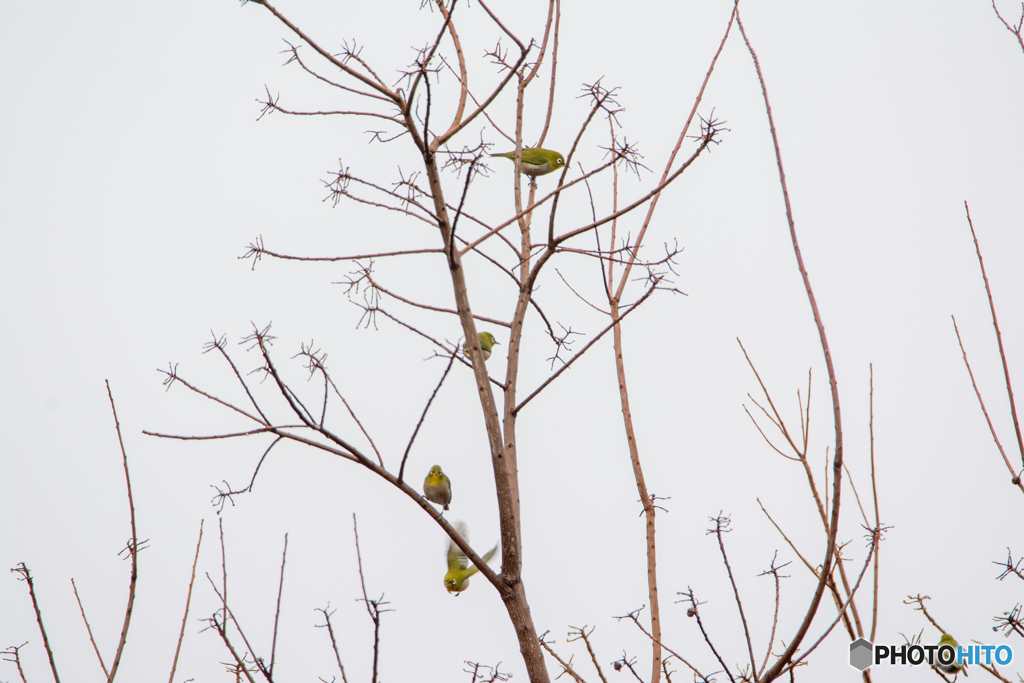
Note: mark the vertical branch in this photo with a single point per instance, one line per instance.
(554, 72)
(837, 463)
(449, 25)
(188, 601)
(722, 526)
(277, 612)
(372, 606)
(133, 548)
(615, 221)
(501, 441)
(999, 336)
(27, 578)
(221, 627)
(334, 641)
(12, 655)
(615, 300)
(645, 498)
(223, 569)
(89, 629)
(874, 496)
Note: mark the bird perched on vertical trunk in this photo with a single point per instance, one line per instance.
(487, 343)
(536, 161)
(437, 487)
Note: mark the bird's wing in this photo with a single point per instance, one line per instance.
(456, 558)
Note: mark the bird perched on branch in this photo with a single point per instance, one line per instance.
(437, 487)
(459, 568)
(487, 343)
(952, 667)
(536, 161)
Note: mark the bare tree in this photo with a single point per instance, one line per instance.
(413, 114)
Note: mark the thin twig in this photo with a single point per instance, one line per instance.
(675, 151)
(423, 416)
(334, 641)
(1015, 30)
(582, 634)
(874, 496)
(376, 85)
(373, 607)
(188, 601)
(636, 622)
(876, 537)
(222, 631)
(228, 614)
(774, 571)
(566, 666)
(133, 549)
(89, 629)
(1014, 476)
(277, 612)
(12, 655)
(999, 335)
(721, 527)
(593, 341)
(25, 576)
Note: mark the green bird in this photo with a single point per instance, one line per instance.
(952, 667)
(437, 487)
(536, 161)
(487, 343)
(459, 569)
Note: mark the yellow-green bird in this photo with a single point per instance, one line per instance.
(487, 343)
(459, 568)
(952, 667)
(437, 487)
(536, 161)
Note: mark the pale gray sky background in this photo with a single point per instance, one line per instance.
(133, 174)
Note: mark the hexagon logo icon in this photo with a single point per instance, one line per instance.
(860, 654)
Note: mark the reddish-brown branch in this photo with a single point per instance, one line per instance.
(874, 497)
(188, 602)
(423, 415)
(295, 56)
(593, 341)
(578, 633)
(837, 465)
(675, 151)
(463, 72)
(89, 629)
(557, 6)
(334, 641)
(875, 540)
(277, 611)
(133, 549)
(1014, 476)
(1015, 30)
(13, 655)
(999, 336)
(26, 576)
(254, 250)
(376, 85)
(566, 666)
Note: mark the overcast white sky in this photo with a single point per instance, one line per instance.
(133, 173)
